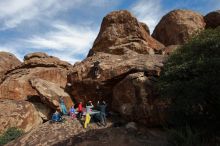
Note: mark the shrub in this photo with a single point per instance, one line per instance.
(11, 134)
(191, 79)
(186, 136)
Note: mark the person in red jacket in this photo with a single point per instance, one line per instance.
(80, 110)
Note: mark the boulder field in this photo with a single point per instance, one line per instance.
(122, 68)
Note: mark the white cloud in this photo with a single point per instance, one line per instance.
(148, 11)
(68, 42)
(50, 22)
(15, 12)
(77, 38)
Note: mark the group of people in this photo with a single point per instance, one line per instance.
(97, 114)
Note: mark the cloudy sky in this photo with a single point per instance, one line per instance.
(67, 28)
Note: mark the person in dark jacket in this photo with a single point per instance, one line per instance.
(102, 108)
(96, 70)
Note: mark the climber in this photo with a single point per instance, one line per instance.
(96, 69)
(80, 110)
(56, 117)
(62, 106)
(72, 112)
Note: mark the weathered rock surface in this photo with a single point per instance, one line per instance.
(49, 134)
(44, 110)
(16, 84)
(170, 49)
(20, 114)
(176, 27)
(50, 93)
(212, 19)
(7, 62)
(146, 28)
(72, 133)
(121, 33)
(118, 56)
(136, 99)
(113, 69)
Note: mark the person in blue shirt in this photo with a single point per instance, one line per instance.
(56, 117)
(62, 106)
(72, 112)
(102, 108)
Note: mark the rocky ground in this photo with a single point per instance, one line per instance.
(71, 132)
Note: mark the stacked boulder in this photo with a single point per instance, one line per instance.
(128, 67)
(36, 85)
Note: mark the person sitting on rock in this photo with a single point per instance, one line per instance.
(80, 110)
(72, 112)
(56, 117)
(62, 106)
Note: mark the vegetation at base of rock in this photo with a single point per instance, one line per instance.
(11, 134)
(186, 136)
(191, 78)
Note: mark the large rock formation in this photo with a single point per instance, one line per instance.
(113, 68)
(16, 84)
(121, 48)
(50, 93)
(121, 32)
(136, 99)
(72, 133)
(41, 80)
(176, 27)
(49, 134)
(20, 114)
(212, 19)
(7, 62)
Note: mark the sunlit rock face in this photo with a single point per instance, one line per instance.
(122, 49)
(20, 114)
(178, 26)
(8, 61)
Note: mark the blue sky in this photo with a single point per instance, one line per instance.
(68, 28)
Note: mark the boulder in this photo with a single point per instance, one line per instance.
(7, 62)
(112, 68)
(170, 49)
(50, 93)
(16, 83)
(146, 28)
(123, 48)
(139, 100)
(44, 110)
(121, 33)
(212, 19)
(49, 134)
(20, 114)
(177, 27)
(131, 126)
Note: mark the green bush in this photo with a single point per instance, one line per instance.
(186, 136)
(183, 137)
(11, 134)
(191, 79)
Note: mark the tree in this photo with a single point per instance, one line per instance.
(191, 79)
